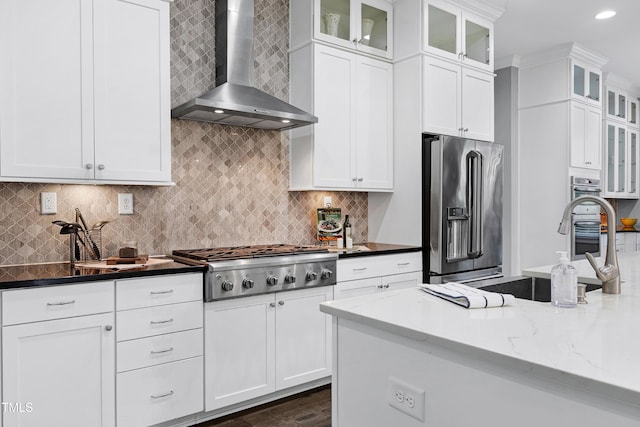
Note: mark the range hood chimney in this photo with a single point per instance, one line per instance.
(234, 100)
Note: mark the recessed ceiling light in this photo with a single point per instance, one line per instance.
(218, 111)
(285, 121)
(606, 14)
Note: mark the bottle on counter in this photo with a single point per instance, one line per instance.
(346, 232)
(564, 283)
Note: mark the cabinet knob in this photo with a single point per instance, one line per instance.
(101, 167)
(272, 304)
(465, 130)
(108, 327)
(88, 166)
(354, 179)
(360, 179)
(281, 302)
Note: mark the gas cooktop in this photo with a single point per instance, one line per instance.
(244, 252)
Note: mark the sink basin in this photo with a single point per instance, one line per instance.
(522, 287)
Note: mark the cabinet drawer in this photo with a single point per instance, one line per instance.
(145, 352)
(160, 393)
(355, 288)
(163, 319)
(158, 290)
(358, 268)
(56, 302)
(378, 265)
(401, 263)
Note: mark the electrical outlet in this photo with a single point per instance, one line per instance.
(406, 398)
(48, 203)
(327, 202)
(125, 203)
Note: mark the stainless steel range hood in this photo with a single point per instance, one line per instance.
(235, 100)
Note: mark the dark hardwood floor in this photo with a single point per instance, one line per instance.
(309, 409)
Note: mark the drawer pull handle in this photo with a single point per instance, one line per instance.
(158, 396)
(61, 303)
(170, 291)
(379, 286)
(402, 264)
(360, 269)
(158, 322)
(166, 350)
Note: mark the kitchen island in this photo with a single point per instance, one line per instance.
(407, 358)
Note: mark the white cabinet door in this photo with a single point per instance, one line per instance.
(64, 369)
(374, 123)
(442, 97)
(46, 107)
(586, 133)
(132, 121)
(458, 100)
(477, 105)
(239, 350)
(334, 153)
(86, 91)
(303, 338)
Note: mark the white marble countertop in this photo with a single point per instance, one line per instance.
(629, 263)
(596, 344)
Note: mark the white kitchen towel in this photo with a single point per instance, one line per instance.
(467, 296)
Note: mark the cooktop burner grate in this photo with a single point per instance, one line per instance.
(243, 252)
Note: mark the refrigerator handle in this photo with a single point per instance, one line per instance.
(474, 203)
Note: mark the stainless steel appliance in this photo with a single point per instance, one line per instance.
(462, 208)
(235, 100)
(252, 270)
(585, 224)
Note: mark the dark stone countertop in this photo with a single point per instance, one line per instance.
(376, 249)
(38, 275)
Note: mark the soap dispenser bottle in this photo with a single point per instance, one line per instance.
(564, 283)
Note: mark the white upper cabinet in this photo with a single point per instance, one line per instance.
(457, 34)
(458, 101)
(85, 91)
(616, 107)
(586, 83)
(364, 25)
(586, 131)
(621, 166)
(351, 146)
(633, 115)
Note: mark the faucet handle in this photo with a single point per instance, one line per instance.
(605, 273)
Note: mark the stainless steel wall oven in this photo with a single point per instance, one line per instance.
(585, 227)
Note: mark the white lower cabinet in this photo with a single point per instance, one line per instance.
(366, 275)
(160, 393)
(160, 371)
(59, 372)
(261, 344)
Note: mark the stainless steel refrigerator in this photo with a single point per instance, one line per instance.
(462, 209)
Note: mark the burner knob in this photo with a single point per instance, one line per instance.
(290, 278)
(272, 280)
(326, 274)
(311, 275)
(227, 286)
(247, 283)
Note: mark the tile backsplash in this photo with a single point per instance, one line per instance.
(231, 183)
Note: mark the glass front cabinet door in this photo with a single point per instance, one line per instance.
(458, 35)
(622, 162)
(586, 83)
(361, 25)
(616, 104)
(632, 112)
